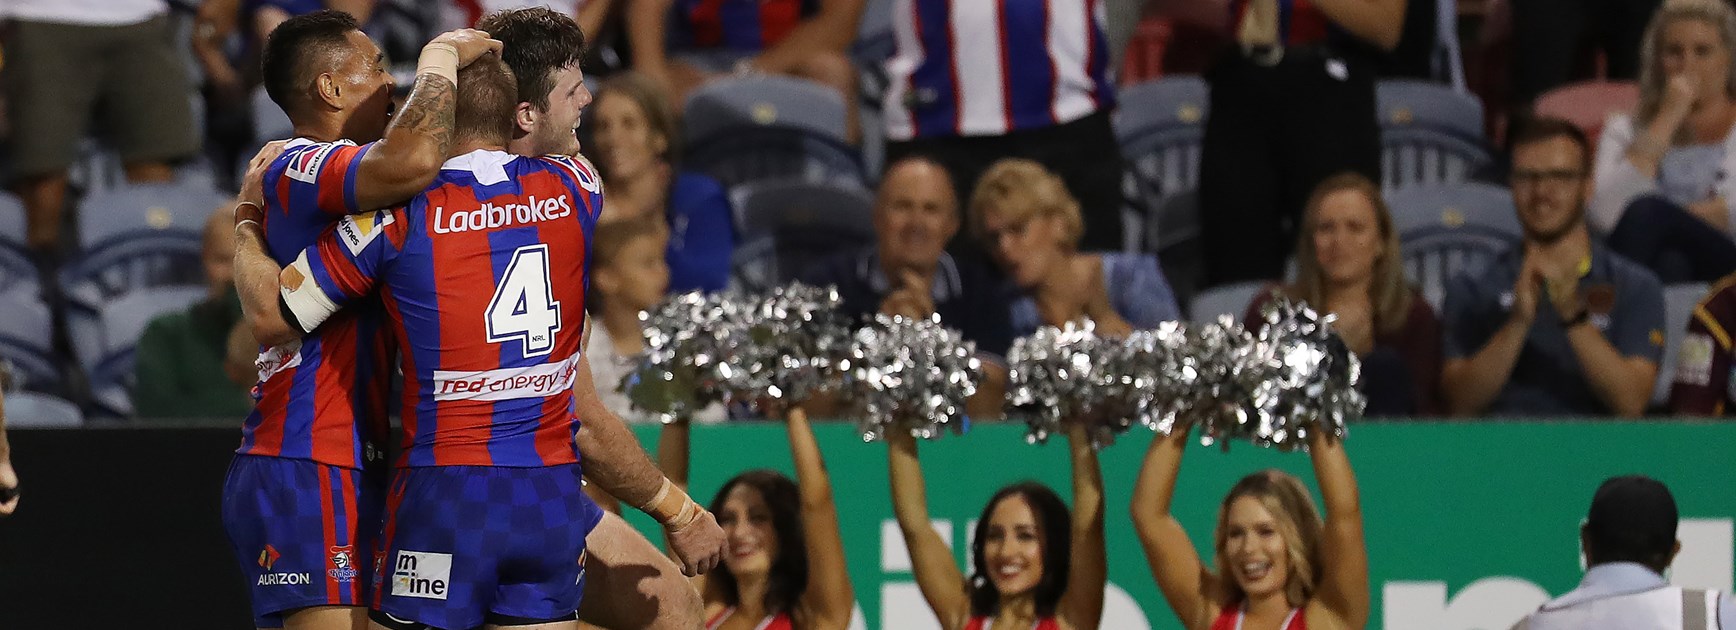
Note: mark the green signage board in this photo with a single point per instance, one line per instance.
(1469, 524)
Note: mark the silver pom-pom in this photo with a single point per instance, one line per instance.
(1163, 377)
(690, 340)
(910, 375)
(1058, 374)
(1225, 355)
(795, 341)
(1310, 378)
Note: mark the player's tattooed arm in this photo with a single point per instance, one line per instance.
(417, 142)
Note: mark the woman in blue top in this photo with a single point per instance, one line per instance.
(1024, 217)
(636, 135)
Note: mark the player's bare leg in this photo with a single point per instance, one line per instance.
(630, 584)
(558, 625)
(327, 618)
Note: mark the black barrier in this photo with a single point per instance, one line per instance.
(119, 528)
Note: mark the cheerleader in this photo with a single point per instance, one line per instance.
(1277, 566)
(783, 567)
(1038, 566)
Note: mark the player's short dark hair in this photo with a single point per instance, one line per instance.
(487, 99)
(1537, 129)
(299, 49)
(1056, 522)
(537, 42)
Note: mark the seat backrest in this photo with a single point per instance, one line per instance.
(1229, 299)
(119, 323)
(31, 410)
(124, 211)
(1176, 221)
(1588, 104)
(1172, 101)
(763, 101)
(1679, 303)
(766, 207)
(27, 320)
(1424, 157)
(27, 340)
(1450, 228)
(744, 154)
(1406, 103)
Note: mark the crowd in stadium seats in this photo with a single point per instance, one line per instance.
(1006, 165)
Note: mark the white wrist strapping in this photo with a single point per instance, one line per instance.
(439, 59)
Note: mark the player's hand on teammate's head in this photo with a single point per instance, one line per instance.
(8, 488)
(253, 182)
(698, 546)
(470, 43)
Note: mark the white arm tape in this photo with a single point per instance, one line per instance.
(306, 299)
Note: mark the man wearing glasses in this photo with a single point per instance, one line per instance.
(1559, 325)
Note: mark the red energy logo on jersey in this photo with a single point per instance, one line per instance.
(268, 557)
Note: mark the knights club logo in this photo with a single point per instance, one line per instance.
(343, 568)
(268, 556)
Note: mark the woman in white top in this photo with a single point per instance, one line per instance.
(628, 275)
(1666, 174)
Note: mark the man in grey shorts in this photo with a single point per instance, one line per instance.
(70, 63)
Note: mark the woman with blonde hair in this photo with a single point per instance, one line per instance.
(1276, 565)
(1024, 217)
(1349, 264)
(1663, 186)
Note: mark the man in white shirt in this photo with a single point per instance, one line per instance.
(68, 61)
(1629, 540)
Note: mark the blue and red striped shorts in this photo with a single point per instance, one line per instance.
(304, 532)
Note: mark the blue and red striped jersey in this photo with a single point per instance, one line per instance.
(742, 25)
(987, 68)
(324, 400)
(483, 278)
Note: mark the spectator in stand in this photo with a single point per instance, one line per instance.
(1292, 103)
(1705, 381)
(1350, 265)
(181, 367)
(1021, 213)
(681, 44)
(907, 271)
(1559, 325)
(637, 136)
(1548, 34)
(66, 62)
(974, 82)
(629, 276)
(1664, 189)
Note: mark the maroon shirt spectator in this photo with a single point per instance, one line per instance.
(1703, 384)
(1349, 264)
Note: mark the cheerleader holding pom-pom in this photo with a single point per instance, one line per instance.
(1278, 567)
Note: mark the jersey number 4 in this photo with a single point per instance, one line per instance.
(524, 306)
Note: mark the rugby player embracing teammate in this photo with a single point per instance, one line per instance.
(484, 278)
(630, 585)
(301, 505)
